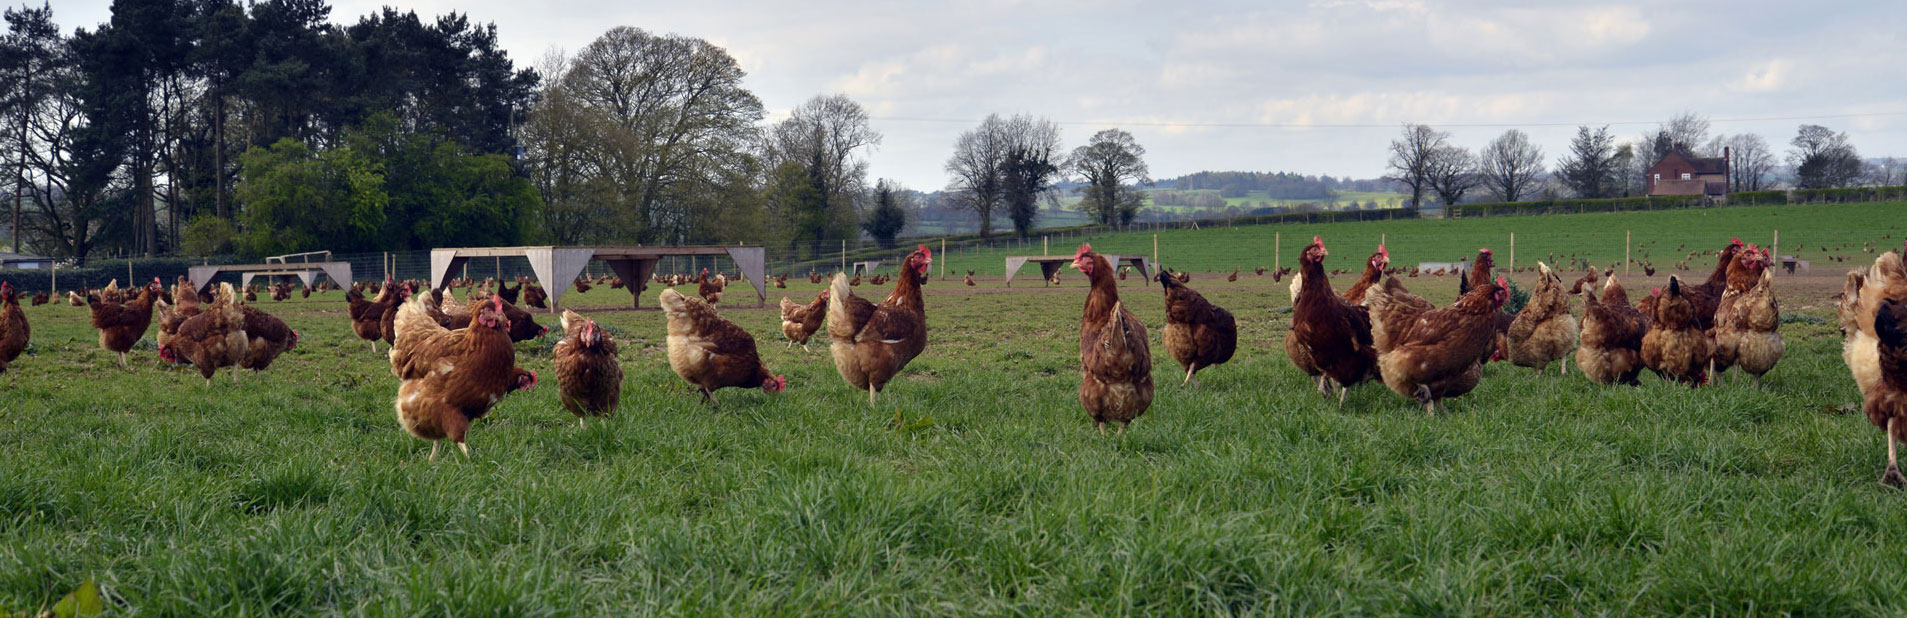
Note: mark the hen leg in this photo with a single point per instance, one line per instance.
(122, 361)
(433, 449)
(1892, 477)
(465, 448)
(234, 374)
(1342, 391)
(1102, 428)
(1188, 374)
(1423, 395)
(1563, 370)
(870, 395)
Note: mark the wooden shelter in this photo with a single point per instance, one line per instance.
(1050, 264)
(556, 267)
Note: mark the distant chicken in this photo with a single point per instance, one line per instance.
(871, 343)
(587, 372)
(1198, 334)
(41, 298)
(799, 322)
(212, 340)
(387, 324)
(710, 352)
(452, 377)
(1331, 334)
(1441, 356)
(709, 289)
(1676, 347)
(534, 296)
(1373, 271)
(970, 282)
(14, 332)
(1115, 358)
(367, 317)
(1544, 331)
(122, 325)
(1612, 331)
(582, 285)
(1232, 278)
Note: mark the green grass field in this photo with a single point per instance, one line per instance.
(296, 493)
(1662, 238)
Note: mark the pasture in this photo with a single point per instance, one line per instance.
(979, 487)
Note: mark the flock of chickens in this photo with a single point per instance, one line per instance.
(456, 359)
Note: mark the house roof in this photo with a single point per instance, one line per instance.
(21, 257)
(1700, 165)
(1715, 187)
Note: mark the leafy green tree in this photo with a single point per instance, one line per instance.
(1823, 159)
(1028, 171)
(888, 218)
(1592, 169)
(297, 200)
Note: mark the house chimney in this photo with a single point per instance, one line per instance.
(1725, 156)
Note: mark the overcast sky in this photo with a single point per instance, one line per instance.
(1317, 87)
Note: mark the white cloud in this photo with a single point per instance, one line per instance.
(1768, 77)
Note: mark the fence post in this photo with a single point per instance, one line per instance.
(1626, 236)
(1512, 252)
(1277, 248)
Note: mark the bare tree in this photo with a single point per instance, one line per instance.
(1453, 172)
(1029, 169)
(975, 166)
(1411, 157)
(1823, 158)
(1884, 172)
(1749, 162)
(829, 133)
(1108, 162)
(1509, 166)
(1690, 130)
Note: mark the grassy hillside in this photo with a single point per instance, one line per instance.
(295, 492)
(1662, 237)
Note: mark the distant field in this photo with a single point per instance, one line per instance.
(295, 492)
(1815, 232)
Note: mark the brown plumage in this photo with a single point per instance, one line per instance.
(1332, 333)
(1737, 329)
(266, 338)
(41, 298)
(871, 343)
(521, 325)
(587, 374)
(1232, 278)
(1676, 347)
(14, 332)
(1544, 331)
(970, 282)
(1373, 270)
(367, 317)
(1612, 331)
(1197, 333)
(387, 324)
(1885, 400)
(1115, 384)
(710, 289)
(122, 324)
(799, 322)
(212, 340)
(1393, 310)
(510, 294)
(534, 296)
(582, 285)
(1442, 354)
(711, 352)
(1707, 297)
(451, 377)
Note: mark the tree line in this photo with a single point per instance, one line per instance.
(1425, 164)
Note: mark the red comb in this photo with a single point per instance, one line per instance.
(1084, 248)
(1735, 241)
(925, 251)
(1317, 240)
(1501, 283)
(1485, 251)
(1381, 249)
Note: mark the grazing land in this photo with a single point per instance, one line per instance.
(980, 487)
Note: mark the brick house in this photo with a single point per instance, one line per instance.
(1682, 173)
